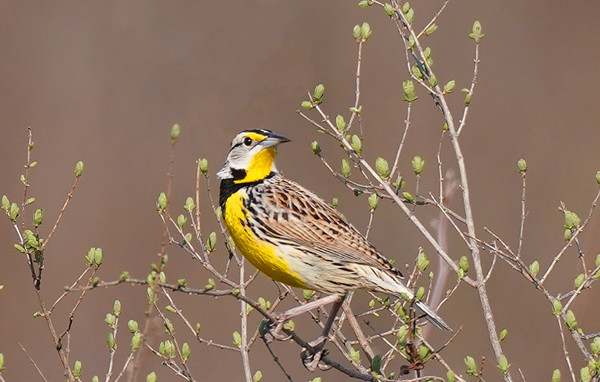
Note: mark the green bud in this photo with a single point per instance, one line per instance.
(340, 123)
(20, 248)
(522, 166)
(476, 34)
(13, 212)
(570, 320)
(210, 285)
(430, 29)
(389, 9)
(151, 377)
(175, 132)
(365, 31)
(503, 364)
(203, 165)
(170, 309)
(595, 346)
(188, 237)
(169, 328)
(471, 365)
(534, 268)
(572, 221)
(450, 376)
(345, 168)
(136, 341)
(568, 234)
(423, 352)
(186, 351)
(335, 202)
(399, 183)
(258, 376)
(432, 80)
(422, 261)
(211, 242)
(408, 88)
(77, 369)
(110, 320)
(373, 201)
(38, 217)
(382, 167)
(365, 3)
(95, 378)
(33, 164)
(289, 325)
(579, 280)
(319, 91)
(416, 72)
(1, 361)
(468, 96)
(315, 147)
(181, 220)
(598, 177)
(189, 204)
(5, 203)
(356, 144)
(161, 202)
(463, 263)
(98, 256)
(556, 307)
(110, 341)
(356, 32)
(78, 170)
(585, 374)
(556, 375)
(355, 355)
(133, 326)
(402, 335)
(307, 105)
(597, 260)
(503, 334)
(182, 283)
(449, 87)
(420, 294)
(29, 201)
(169, 349)
(408, 197)
(117, 308)
(409, 14)
(418, 165)
(237, 339)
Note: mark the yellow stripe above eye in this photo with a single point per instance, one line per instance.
(255, 136)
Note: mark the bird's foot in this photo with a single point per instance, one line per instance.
(274, 330)
(311, 359)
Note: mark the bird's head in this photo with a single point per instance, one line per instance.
(251, 157)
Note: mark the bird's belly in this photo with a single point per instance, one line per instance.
(262, 254)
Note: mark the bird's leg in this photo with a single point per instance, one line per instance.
(311, 360)
(277, 326)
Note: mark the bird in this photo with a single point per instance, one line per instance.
(292, 235)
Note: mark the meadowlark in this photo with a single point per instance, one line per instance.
(292, 235)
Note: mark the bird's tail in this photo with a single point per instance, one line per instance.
(386, 282)
(432, 316)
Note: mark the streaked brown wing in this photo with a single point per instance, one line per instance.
(297, 215)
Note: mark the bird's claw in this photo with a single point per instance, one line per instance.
(311, 359)
(273, 330)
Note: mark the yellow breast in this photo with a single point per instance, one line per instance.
(263, 255)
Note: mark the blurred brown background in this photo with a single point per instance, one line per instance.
(104, 81)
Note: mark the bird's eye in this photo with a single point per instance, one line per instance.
(247, 141)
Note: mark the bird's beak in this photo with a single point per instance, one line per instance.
(273, 140)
